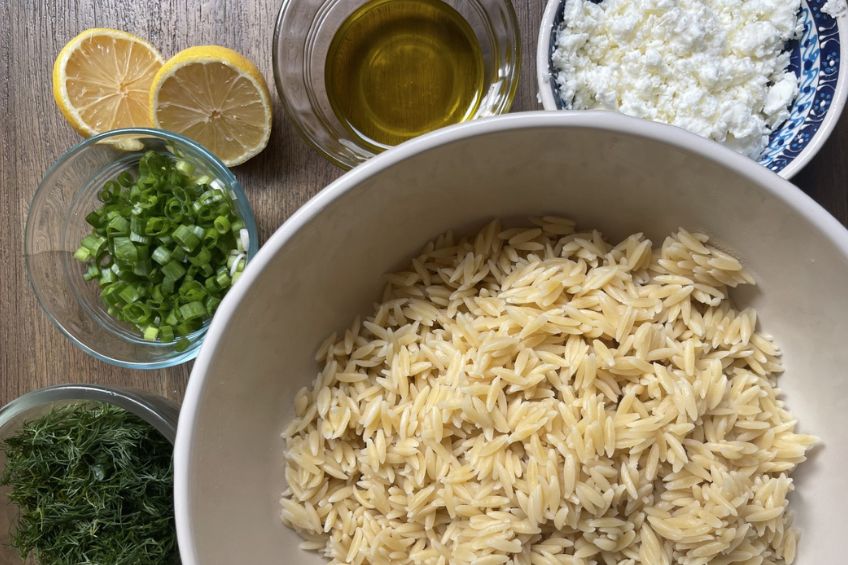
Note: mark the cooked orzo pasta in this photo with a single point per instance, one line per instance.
(540, 396)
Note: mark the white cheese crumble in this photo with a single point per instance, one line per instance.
(835, 8)
(714, 67)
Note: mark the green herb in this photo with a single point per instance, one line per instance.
(94, 485)
(161, 231)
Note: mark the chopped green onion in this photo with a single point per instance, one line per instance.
(93, 243)
(192, 291)
(82, 254)
(161, 255)
(136, 313)
(124, 250)
(201, 258)
(156, 225)
(129, 294)
(107, 276)
(138, 238)
(164, 248)
(91, 273)
(94, 219)
(186, 238)
(151, 333)
(172, 319)
(211, 285)
(125, 179)
(212, 303)
(222, 224)
(185, 167)
(112, 188)
(167, 286)
(193, 310)
(243, 240)
(174, 210)
(166, 333)
(184, 328)
(173, 270)
(178, 254)
(222, 280)
(210, 237)
(142, 268)
(118, 225)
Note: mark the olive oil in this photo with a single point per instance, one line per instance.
(399, 68)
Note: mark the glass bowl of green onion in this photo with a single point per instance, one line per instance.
(132, 241)
(86, 475)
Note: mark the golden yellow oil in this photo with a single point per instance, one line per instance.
(399, 68)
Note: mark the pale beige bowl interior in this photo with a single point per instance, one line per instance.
(324, 266)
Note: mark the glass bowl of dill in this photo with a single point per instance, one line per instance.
(133, 238)
(86, 475)
(358, 77)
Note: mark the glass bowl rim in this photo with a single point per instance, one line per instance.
(220, 170)
(515, 78)
(135, 402)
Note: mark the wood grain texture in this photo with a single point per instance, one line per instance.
(33, 353)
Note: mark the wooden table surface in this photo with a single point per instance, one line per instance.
(33, 353)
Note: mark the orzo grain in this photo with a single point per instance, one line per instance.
(539, 395)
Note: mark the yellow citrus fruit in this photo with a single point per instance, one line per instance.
(101, 80)
(216, 97)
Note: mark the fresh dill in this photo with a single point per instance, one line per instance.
(94, 486)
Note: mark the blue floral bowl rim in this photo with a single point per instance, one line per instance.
(547, 90)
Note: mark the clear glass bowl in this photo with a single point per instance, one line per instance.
(157, 411)
(302, 38)
(56, 224)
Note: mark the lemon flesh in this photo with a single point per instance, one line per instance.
(217, 97)
(102, 78)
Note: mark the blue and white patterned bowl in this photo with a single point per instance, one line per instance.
(818, 58)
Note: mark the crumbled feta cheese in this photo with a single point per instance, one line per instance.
(714, 67)
(835, 8)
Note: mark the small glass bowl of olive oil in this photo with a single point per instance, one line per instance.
(361, 76)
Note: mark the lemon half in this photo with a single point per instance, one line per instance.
(101, 80)
(217, 97)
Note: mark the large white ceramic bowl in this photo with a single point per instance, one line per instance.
(324, 266)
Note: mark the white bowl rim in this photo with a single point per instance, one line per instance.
(831, 118)
(612, 122)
